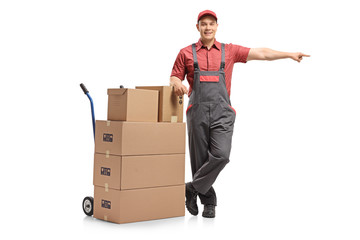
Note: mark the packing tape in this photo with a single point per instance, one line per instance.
(107, 153)
(173, 119)
(108, 123)
(106, 187)
(105, 217)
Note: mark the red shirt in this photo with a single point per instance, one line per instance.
(209, 60)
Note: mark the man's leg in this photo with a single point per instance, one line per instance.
(221, 131)
(209, 198)
(198, 136)
(220, 138)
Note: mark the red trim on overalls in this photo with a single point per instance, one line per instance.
(209, 78)
(232, 108)
(188, 108)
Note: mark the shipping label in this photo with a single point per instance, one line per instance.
(105, 204)
(107, 137)
(105, 171)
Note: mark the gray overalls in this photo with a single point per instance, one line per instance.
(210, 123)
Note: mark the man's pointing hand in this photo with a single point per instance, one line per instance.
(298, 56)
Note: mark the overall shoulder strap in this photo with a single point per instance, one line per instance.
(196, 64)
(222, 65)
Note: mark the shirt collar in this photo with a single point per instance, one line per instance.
(199, 45)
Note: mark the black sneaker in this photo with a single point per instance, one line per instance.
(191, 199)
(209, 211)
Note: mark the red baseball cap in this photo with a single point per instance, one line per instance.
(206, 13)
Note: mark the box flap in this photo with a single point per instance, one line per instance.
(117, 91)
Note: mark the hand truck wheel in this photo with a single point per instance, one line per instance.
(88, 206)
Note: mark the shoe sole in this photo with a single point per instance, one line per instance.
(193, 212)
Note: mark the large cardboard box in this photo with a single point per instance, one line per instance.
(139, 204)
(139, 138)
(130, 172)
(169, 103)
(133, 105)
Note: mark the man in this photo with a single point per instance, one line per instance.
(208, 65)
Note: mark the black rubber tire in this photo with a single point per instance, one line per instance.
(88, 206)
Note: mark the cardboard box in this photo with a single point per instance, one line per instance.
(139, 204)
(134, 105)
(130, 172)
(168, 103)
(139, 138)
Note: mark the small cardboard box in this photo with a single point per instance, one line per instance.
(169, 103)
(130, 172)
(134, 105)
(139, 204)
(139, 138)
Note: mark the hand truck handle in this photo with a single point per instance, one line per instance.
(83, 88)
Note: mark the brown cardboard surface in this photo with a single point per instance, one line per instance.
(139, 138)
(135, 105)
(131, 172)
(139, 204)
(152, 171)
(168, 103)
(107, 171)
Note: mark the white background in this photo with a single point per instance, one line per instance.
(294, 171)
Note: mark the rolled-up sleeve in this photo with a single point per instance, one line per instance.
(179, 67)
(239, 53)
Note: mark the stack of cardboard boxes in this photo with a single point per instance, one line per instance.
(139, 161)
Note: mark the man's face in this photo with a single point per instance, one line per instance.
(207, 27)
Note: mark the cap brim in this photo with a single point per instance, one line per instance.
(207, 14)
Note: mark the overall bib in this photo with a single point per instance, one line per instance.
(210, 123)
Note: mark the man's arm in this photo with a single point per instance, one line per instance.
(269, 55)
(177, 74)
